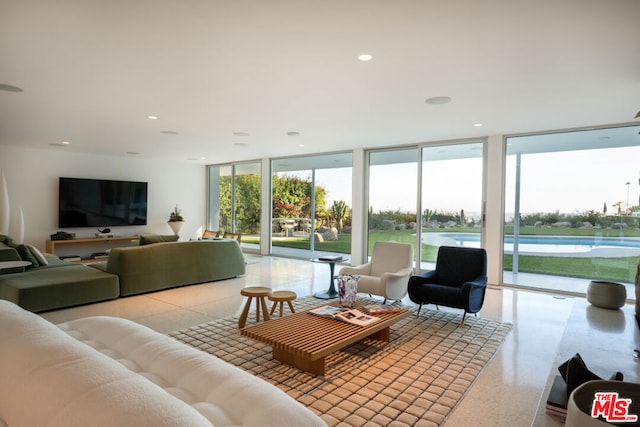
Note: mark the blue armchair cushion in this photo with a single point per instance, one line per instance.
(459, 280)
(457, 265)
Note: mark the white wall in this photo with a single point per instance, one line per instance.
(32, 182)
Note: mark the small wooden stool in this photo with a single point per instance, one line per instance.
(258, 292)
(281, 297)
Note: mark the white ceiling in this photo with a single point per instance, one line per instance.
(93, 71)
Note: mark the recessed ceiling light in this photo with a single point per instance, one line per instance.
(196, 158)
(293, 133)
(365, 57)
(241, 133)
(240, 144)
(10, 88)
(169, 132)
(300, 145)
(436, 100)
(153, 117)
(60, 144)
(133, 153)
(477, 125)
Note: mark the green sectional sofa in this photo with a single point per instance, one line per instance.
(54, 284)
(164, 265)
(128, 271)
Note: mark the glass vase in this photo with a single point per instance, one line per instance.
(347, 290)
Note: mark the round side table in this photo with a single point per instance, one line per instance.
(331, 292)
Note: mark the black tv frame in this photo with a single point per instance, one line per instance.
(86, 202)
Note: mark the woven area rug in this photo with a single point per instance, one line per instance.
(417, 379)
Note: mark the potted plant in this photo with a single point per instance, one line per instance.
(176, 215)
(176, 221)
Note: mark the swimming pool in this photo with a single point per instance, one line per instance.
(543, 244)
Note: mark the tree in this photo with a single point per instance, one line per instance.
(619, 206)
(428, 214)
(292, 197)
(339, 212)
(247, 203)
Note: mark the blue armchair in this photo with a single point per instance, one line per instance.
(459, 280)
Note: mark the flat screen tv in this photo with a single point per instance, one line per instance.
(101, 203)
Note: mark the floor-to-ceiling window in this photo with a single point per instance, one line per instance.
(234, 201)
(451, 200)
(311, 198)
(392, 196)
(443, 182)
(572, 208)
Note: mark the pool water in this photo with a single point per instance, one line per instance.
(549, 244)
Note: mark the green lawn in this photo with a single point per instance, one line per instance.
(621, 269)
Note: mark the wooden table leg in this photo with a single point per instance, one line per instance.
(314, 366)
(381, 335)
(245, 313)
(265, 311)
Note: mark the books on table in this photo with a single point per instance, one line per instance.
(380, 309)
(353, 316)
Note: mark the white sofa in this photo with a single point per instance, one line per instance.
(105, 371)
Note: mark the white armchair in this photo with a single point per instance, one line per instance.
(388, 272)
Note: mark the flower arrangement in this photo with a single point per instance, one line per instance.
(176, 215)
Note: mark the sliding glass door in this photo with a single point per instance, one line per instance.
(234, 201)
(443, 182)
(393, 196)
(572, 209)
(311, 199)
(451, 201)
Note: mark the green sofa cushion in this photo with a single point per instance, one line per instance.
(42, 260)
(57, 285)
(8, 253)
(147, 239)
(26, 255)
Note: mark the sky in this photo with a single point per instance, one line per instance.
(568, 182)
(576, 181)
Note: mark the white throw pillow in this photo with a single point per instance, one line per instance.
(37, 254)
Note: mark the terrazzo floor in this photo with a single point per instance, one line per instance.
(507, 393)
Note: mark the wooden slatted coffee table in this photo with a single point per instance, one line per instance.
(303, 340)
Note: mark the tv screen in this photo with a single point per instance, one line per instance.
(101, 203)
